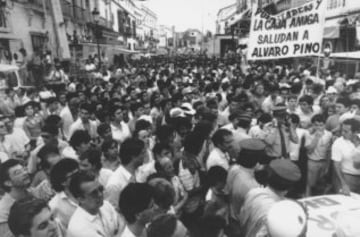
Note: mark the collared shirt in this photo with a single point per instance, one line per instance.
(63, 208)
(104, 176)
(218, 158)
(342, 151)
(68, 120)
(78, 125)
(239, 134)
(105, 224)
(256, 132)
(116, 183)
(5, 204)
(294, 148)
(121, 133)
(18, 139)
(239, 182)
(257, 203)
(322, 148)
(273, 142)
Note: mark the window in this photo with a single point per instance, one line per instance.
(8, 79)
(38, 40)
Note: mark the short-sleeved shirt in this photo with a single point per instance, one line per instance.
(322, 148)
(342, 151)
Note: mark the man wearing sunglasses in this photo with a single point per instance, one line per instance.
(94, 217)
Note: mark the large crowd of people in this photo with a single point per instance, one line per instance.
(175, 147)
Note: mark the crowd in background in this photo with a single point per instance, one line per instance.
(182, 146)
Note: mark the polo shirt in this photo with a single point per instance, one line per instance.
(63, 208)
(217, 158)
(116, 183)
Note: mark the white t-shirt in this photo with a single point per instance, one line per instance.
(294, 149)
(342, 151)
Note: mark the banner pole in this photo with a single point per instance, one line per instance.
(318, 67)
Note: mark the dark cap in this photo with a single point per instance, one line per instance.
(252, 152)
(252, 144)
(283, 173)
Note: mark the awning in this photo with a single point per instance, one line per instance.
(332, 29)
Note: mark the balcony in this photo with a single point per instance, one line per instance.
(82, 15)
(37, 5)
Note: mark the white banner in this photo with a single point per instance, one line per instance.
(296, 32)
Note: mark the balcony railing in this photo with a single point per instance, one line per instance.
(37, 5)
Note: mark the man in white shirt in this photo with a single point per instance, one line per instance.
(94, 216)
(84, 122)
(132, 154)
(68, 115)
(318, 144)
(239, 127)
(63, 204)
(222, 140)
(342, 152)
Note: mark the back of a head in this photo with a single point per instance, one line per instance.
(59, 173)
(211, 226)
(93, 156)
(134, 199)
(79, 137)
(286, 219)
(129, 149)
(162, 226)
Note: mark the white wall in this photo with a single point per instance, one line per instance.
(20, 21)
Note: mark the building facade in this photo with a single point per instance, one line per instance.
(148, 33)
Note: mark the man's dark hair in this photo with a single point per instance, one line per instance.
(53, 119)
(134, 199)
(164, 132)
(307, 99)
(318, 118)
(107, 145)
(162, 226)
(159, 147)
(59, 172)
(44, 154)
(216, 174)
(79, 178)
(219, 135)
(102, 128)
(93, 156)
(22, 214)
(4, 172)
(355, 124)
(164, 194)
(88, 107)
(129, 149)
(79, 137)
(51, 129)
(344, 101)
